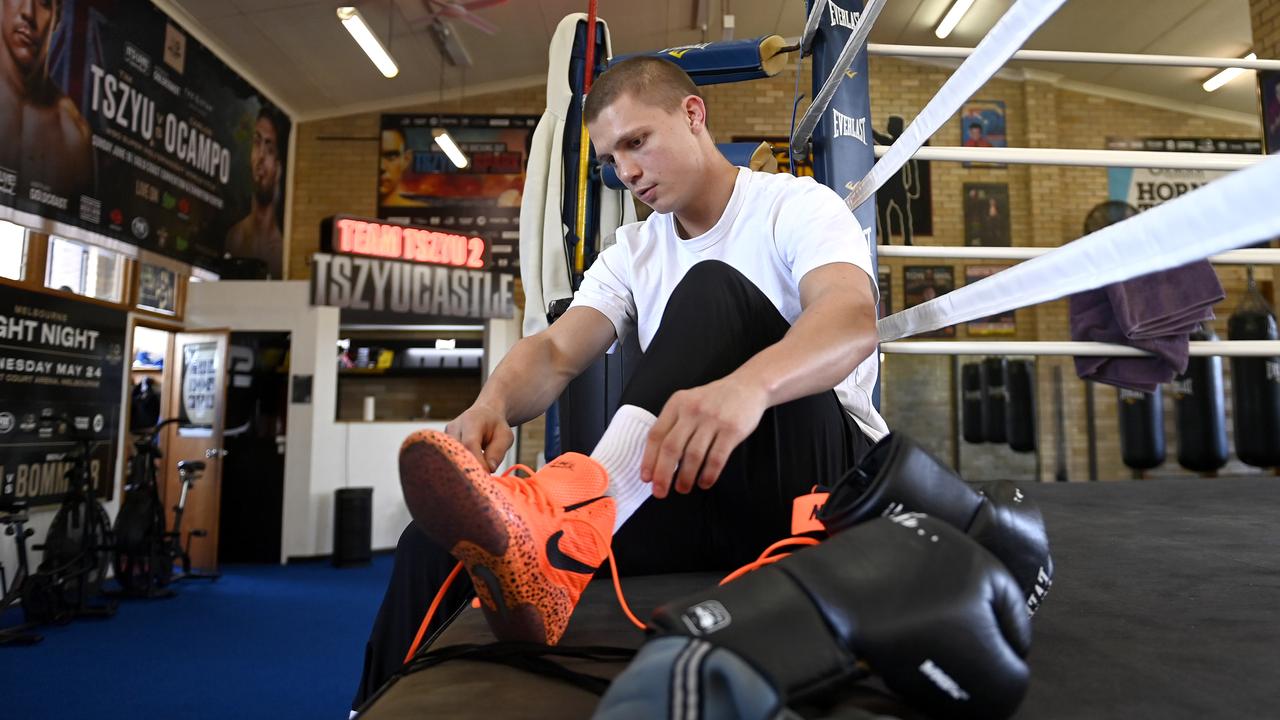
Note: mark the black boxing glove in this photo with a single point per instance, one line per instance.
(900, 476)
(909, 598)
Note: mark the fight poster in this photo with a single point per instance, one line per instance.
(418, 184)
(1005, 323)
(1145, 188)
(922, 283)
(884, 283)
(1269, 92)
(61, 369)
(117, 122)
(986, 215)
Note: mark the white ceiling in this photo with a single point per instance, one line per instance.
(298, 53)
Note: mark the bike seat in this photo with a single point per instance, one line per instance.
(190, 465)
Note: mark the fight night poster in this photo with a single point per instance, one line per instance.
(1145, 188)
(61, 369)
(419, 185)
(115, 121)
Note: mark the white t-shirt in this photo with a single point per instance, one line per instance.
(775, 229)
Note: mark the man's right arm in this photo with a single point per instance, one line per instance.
(529, 379)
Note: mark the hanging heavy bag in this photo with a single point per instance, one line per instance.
(1141, 428)
(971, 402)
(1020, 417)
(1255, 384)
(993, 399)
(1201, 411)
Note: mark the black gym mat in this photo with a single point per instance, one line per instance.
(1166, 603)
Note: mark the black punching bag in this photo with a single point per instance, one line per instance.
(1141, 428)
(993, 399)
(971, 402)
(1020, 420)
(1201, 411)
(1255, 384)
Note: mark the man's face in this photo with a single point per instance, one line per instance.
(264, 160)
(975, 132)
(654, 151)
(26, 30)
(391, 163)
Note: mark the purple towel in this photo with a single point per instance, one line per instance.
(1156, 313)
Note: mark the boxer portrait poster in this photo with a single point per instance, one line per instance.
(1269, 85)
(922, 283)
(982, 124)
(986, 215)
(114, 121)
(1005, 323)
(419, 185)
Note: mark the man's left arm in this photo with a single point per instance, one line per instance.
(700, 427)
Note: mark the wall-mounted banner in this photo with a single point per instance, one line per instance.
(61, 368)
(419, 185)
(375, 290)
(1145, 188)
(117, 122)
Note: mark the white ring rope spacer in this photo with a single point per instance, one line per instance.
(1008, 34)
(1199, 348)
(813, 113)
(1252, 256)
(1228, 213)
(1084, 158)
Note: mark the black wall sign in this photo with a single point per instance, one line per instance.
(59, 357)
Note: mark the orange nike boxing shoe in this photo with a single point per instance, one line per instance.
(531, 544)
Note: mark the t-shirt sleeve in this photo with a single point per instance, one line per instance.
(815, 228)
(606, 287)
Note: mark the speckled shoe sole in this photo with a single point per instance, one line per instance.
(457, 503)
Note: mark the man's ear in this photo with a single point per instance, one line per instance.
(695, 112)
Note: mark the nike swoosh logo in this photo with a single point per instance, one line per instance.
(560, 561)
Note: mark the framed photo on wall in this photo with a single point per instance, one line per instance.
(982, 124)
(922, 283)
(986, 215)
(1005, 323)
(884, 281)
(1269, 85)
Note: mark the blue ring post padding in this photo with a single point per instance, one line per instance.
(738, 154)
(714, 62)
(842, 142)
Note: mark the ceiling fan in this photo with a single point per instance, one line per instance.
(461, 10)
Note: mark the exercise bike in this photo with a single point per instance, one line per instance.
(13, 517)
(77, 548)
(145, 550)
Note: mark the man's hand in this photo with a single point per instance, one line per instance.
(697, 430)
(484, 431)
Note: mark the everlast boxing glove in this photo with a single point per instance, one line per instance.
(909, 598)
(900, 476)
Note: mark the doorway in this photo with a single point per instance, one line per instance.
(250, 524)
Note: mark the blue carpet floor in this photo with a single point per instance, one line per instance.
(261, 642)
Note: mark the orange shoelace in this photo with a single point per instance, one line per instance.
(535, 493)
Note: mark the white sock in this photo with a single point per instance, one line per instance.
(620, 451)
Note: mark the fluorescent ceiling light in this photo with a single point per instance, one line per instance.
(1226, 75)
(450, 148)
(354, 22)
(952, 18)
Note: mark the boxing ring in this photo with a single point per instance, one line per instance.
(1163, 603)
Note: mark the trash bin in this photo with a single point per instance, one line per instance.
(353, 527)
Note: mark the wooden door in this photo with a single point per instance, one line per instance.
(199, 381)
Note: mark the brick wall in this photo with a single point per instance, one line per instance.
(1265, 15)
(336, 172)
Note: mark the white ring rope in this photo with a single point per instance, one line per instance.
(808, 121)
(1199, 348)
(810, 26)
(1228, 213)
(1082, 157)
(1072, 56)
(1008, 34)
(1253, 256)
